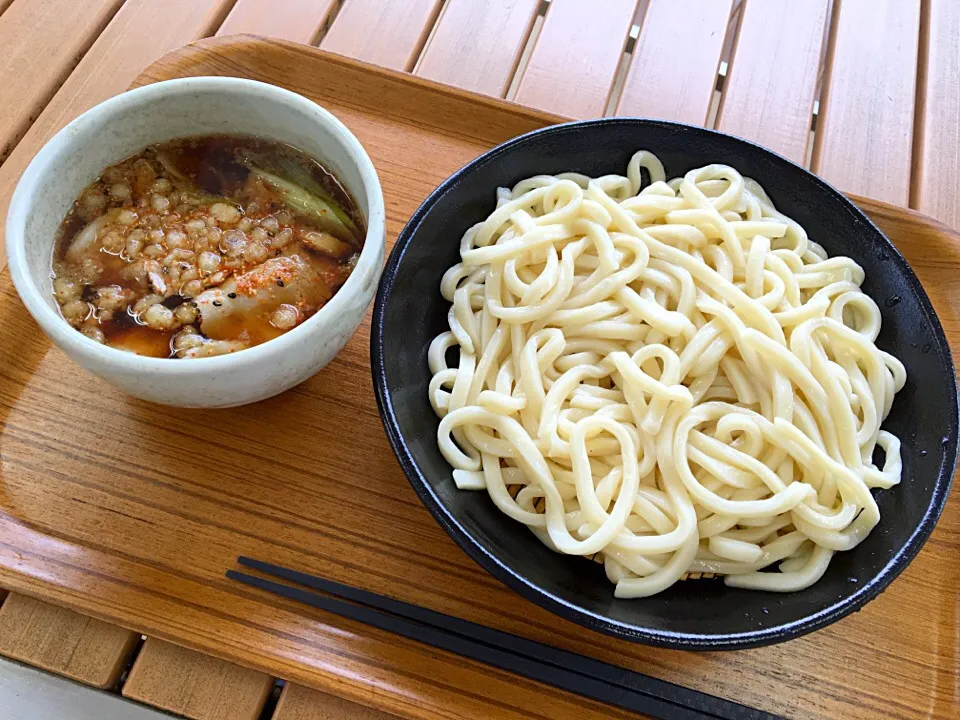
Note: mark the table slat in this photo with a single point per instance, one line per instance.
(300, 703)
(140, 32)
(772, 80)
(390, 33)
(198, 686)
(574, 63)
(673, 71)
(297, 20)
(40, 42)
(937, 172)
(64, 642)
(864, 138)
(477, 45)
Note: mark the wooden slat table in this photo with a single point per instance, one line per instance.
(575, 59)
(937, 141)
(390, 34)
(297, 20)
(69, 30)
(867, 108)
(773, 78)
(660, 82)
(189, 683)
(865, 92)
(477, 46)
(64, 642)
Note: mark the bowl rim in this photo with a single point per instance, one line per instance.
(781, 632)
(114, 108)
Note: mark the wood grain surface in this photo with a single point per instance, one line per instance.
(937, 145)
(390, 33)
(297, 20)
(772, 79)
(195, 685)
(673, 71)
(132, 512)
(864, 141)
(35, 63)
(574, 62)
(477, 45)
(64, 642)
(301, 703)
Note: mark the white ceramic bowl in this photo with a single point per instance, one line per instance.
(129, 122)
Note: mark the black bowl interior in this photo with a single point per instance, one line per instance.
(410, 312)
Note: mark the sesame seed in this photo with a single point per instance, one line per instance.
(279, 283)
(217, 303)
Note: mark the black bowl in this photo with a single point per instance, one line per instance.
(409, 312)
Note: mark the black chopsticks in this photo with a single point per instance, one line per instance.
(559, 668)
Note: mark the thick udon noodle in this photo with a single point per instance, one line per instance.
(672, 378)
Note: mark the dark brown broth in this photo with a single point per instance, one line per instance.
(207, 170)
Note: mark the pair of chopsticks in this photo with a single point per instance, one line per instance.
(531, 659)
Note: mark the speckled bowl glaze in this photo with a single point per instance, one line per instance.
(121, 127)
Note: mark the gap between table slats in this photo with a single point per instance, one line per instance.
(863, 142)
(140, 32)
(133, 40)
(41, 41)
(390, 33)
(197, 686)
(771, 81)
(300, 21)
(64, 642)
(575, 60)
(673, 70)
(477, 45)
(936, 160)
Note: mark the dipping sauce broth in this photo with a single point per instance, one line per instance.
(204, 246)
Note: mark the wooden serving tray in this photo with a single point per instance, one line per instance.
(132, 512)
